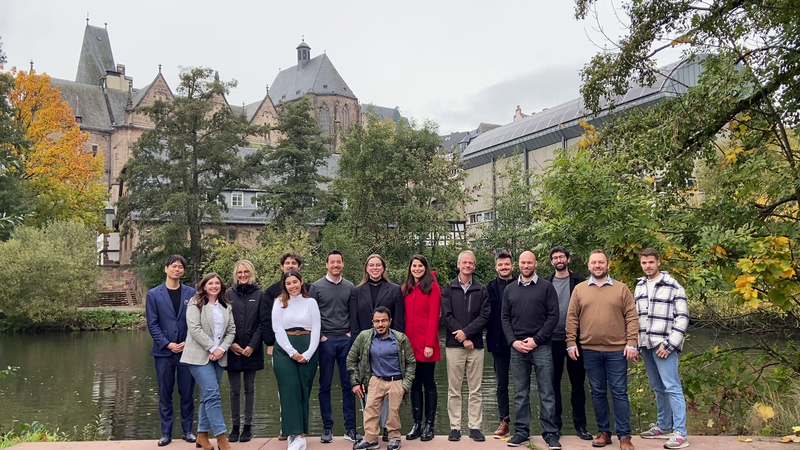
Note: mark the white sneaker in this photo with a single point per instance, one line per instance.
(292, 440)
(656, 433)
(677, 440)
(302, 443)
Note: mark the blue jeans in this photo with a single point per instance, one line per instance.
(666, 383)
(609, 369)
(334, 351)
(208, 377)
(541, 359)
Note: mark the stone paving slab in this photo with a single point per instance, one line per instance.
(439, 443)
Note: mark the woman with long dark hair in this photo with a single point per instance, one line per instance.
(422, 306)
(252, 311)
(296, 323)
(210, 334)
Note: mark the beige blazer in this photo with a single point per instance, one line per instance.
(200, 340)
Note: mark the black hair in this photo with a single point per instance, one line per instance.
(425, 283)
(334, 252)
(559, 249)
(176, 258)
(292, 255)
(382, 310)
(504, 255)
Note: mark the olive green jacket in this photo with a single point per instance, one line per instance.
(358, 359)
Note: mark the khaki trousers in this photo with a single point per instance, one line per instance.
(458, 361)
(377, 391)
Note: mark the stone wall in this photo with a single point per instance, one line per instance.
(122, 279)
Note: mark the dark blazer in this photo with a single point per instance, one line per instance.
(164, 325)
(361, 307)
(495, 338)
(248, 308)
(468, 312)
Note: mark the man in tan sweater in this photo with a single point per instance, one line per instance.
(604, 311)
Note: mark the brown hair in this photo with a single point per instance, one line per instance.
(201, 298)
(292, 255)
(425, 283)
(366, 274)
(649, 251)
(284, 297)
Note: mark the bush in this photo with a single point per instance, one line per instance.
(109, 319)
(47, 274)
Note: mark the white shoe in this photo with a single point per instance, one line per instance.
(292, 440)
(302, 443)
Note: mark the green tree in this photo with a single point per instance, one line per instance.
(179, 169)
(293, 189)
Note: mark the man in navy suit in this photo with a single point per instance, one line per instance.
(166, 319)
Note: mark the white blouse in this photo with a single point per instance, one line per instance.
(218, 325)
(302, 312)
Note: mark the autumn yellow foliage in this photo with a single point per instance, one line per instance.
(64, 176)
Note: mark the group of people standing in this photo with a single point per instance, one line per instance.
(384, 338)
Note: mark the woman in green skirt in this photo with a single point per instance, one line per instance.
(296, 323)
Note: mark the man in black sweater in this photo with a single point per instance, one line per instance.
(529, 315)
(496, 339)
(465, 312)
(289, 261)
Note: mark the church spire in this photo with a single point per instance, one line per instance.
(303, 53)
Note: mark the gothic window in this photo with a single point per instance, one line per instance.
(325, 120)
(345, 118)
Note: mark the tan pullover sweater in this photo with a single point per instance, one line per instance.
(606, 316)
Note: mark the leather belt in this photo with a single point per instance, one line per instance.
(394, 378)
(297, 332)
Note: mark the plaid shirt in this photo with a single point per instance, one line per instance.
(664, 318)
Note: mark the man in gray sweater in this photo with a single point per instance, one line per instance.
(333, 297)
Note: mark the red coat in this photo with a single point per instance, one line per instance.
(422, 321)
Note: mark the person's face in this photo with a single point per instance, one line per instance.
(650, 265)
(334, 265)
(417, 269)
(290, 264)
(375, 268)
(527, 264)
(559, 260)
(381, 322)
(243, 274)
(174, 270)
(213, 287)
(466, 265)
(598, 266)
(293, 285)
(504, 267)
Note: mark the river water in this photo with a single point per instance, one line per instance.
(66, 379)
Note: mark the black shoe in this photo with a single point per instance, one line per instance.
(394, 444)
(416, 431)
(247, 434)
(427, 432)
(327, 436)
(476, 435)
(583, 434)
(455, 435)
(385, 435)
(234, 436)
(517, 440)
(165, 440)
(364, 445)
(189, 437)
(352, 436)
(552, 443)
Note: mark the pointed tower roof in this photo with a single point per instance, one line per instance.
(96, 56)
(315, 76)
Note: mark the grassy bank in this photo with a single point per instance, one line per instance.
(95, 319)
(37, 432)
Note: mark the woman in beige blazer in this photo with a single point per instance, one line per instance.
(211, 332)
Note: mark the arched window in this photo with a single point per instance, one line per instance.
(345, 118)
(325, 120)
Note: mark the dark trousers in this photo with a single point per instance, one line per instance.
(295, 381)
(502, 366)
(609, 369)
(235, 381)
(166, 367)
(334, 351)
(577, 376)
(541, 360)
(423, 377)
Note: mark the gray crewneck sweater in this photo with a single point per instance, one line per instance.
(333, 300)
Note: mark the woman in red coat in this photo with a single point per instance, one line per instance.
(422, 306)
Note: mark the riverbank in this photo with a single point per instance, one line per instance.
(440, 443)
(97, 318)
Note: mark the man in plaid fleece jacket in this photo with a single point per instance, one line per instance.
(663, 320)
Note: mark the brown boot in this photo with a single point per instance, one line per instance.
(603, 438)
(502, 430)
(222, 442)
(625, 443)
(203, 442)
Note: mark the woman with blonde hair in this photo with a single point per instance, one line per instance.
(297, 327)
(252, 310)
(211, 330)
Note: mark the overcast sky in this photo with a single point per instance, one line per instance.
(458, 62)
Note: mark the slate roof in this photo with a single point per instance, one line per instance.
(315, 76)
(450, 141)
(383, 112)
(96, 56)
(140, 94)
(87, 101)
(249, 110)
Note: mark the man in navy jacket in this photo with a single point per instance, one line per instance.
(166, 319)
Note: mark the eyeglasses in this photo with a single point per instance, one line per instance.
(558, 258)
(380, 321)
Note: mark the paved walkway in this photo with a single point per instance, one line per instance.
(439, 443)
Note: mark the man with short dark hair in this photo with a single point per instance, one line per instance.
(165, 310)
(383, 359)
(496, 339)
(289, 261)
(605, 312)
(564, 281)
(333, 299)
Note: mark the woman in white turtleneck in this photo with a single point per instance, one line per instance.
(296, 323)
